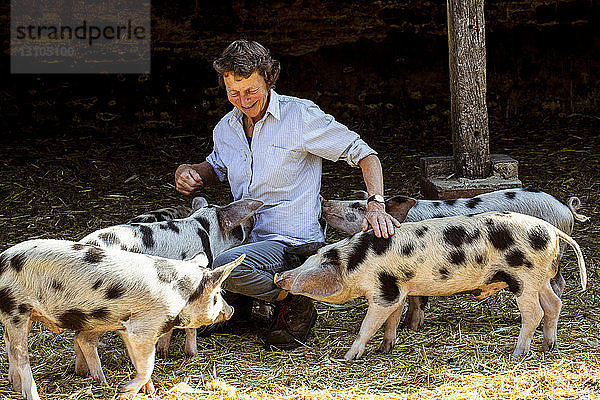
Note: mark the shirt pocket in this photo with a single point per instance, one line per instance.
(284, 165)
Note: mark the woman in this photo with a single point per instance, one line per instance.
(270, 147)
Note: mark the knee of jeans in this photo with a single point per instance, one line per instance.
(224, 258)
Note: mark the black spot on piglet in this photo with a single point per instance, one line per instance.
(514, 284)
(147, 236)
(358, 252)
(97, 284)
(379, 244)
(515, 258)
(472, 203)
(73, 319)
(407, 249)
(114, 291)
(510, 195)
(538, 238)
(93, 255)
(109, 238)
(500, 236)
(7, 301)
(421, 231)
(444, 273)
(204, 223)
(450, 202)
(18, 261)
(100, 313)
(24, 308)
(388, 287)
(457, 256)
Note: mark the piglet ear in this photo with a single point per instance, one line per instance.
(317, 282)
(218, 275)
(198, 202)
(399, 206)
(237, 212)
(201, 259)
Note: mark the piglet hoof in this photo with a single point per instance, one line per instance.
(125, 395)
(519, 353)
(15, 379)
(190, 351)
(148, 388)
(100, 379)
(353, 355)
(386, 346)
(548, 345)
(81, 368)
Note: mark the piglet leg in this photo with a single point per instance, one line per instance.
(13, 374)
(415, 315)
(191, 347)
(162, 346)
(142, 356)
(87, 344)
(531, 315)
(19, 356)
(551, 304)
(391, 328)
(376, 316)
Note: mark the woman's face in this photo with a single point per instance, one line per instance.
(249, 95)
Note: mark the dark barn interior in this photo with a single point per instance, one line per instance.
(80, 152)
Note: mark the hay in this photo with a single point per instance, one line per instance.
(80, 184)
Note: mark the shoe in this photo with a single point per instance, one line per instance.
(294, 318)
(242, 312)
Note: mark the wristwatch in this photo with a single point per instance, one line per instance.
(376, 197)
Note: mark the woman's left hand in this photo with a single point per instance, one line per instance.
(381, 222)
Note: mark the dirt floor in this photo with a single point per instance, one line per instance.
(65, 187)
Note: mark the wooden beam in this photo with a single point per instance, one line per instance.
(469, 119)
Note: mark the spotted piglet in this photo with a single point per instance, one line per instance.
(92, 290)
(347, 215)
(481, 253)
(210, 229)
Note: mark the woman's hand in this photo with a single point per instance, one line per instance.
(381, 222)
(187, 179)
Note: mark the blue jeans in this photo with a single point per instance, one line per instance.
(254, 276)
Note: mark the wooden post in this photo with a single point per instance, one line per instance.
(469, 120)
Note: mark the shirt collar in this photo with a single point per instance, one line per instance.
(272, 108)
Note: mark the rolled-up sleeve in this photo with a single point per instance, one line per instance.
(324, 136)
(217, 164)
(356, 152)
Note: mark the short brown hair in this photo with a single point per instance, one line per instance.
(243, 58)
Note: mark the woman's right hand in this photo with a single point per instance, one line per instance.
(187, 179)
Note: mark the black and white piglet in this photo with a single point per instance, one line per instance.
(481, 253)
(347, 216)
(210, 229)
(92, 290)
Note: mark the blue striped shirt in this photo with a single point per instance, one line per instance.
(282, 165)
